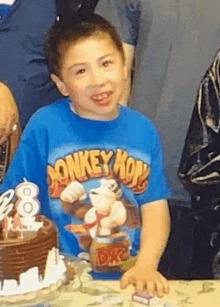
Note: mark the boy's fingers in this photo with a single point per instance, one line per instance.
(127, 279)
(160, 289)
(124, 281)
(124, 284)
(165, 283)
(166, 288)
(150, 286)
(140, 285)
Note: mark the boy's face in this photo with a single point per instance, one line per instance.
(93, 75)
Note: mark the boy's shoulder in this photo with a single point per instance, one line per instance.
(138, 118)
(132, 112)
(51, 110)
(53, 107)
(49, 115)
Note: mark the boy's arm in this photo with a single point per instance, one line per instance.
(129, 55)
(155, 234)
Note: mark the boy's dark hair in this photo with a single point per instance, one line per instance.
(72, 30)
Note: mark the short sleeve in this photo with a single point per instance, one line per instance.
(158, 187)
(124, 15)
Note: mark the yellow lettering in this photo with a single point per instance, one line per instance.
(137, 173)
(130, 169)
(73, 165)
(52, 180)
(143, 180)
(84, 165)
(96, 168)
(119, 166)
(106, 157)
(62, 172)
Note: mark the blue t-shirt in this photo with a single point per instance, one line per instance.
(118, 161)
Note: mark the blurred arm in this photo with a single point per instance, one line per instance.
(9, 112)
(9, 117)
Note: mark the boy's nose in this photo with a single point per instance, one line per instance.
(97, 78)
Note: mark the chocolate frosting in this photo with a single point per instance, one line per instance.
(18, 256)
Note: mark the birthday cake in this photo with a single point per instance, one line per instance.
(29, 254)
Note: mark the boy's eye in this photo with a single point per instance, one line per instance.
(107, 63)
(80, 71)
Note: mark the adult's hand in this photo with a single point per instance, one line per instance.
(9, 117)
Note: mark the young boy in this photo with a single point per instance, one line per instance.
(89, 143)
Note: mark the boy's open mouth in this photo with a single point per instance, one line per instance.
(102, 99)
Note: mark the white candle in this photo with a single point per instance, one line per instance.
(27, 203)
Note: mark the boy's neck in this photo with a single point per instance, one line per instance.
(88, 117)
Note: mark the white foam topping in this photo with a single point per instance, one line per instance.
(31, 280)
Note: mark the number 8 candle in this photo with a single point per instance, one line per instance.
(27, 203)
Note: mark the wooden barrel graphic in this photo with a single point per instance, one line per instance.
(108, 252)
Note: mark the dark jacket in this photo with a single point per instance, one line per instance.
(199, 168)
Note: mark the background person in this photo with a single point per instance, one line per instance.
(25, 84)
(171, 43)
(23, 68)
(199, 173)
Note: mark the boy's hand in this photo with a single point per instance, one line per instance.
(145, 279)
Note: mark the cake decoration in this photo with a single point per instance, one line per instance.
(5, 203)
(26, 208)
(28, 243)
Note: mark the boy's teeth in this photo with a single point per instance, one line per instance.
(101, 96)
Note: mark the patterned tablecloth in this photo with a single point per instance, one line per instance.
(84, 291)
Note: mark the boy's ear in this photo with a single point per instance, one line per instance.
(60, 85)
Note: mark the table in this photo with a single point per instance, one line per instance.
(86, 292)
